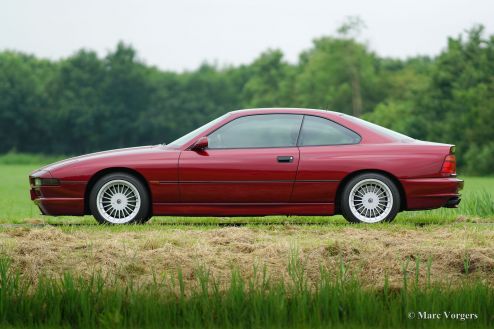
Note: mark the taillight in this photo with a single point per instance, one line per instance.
(449, 165)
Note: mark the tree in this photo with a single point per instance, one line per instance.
(22, 103)
(338, 74)
(126, 93)
(270, 82)
(76, 106)
(458, 106)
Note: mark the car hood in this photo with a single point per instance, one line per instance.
(131, 151)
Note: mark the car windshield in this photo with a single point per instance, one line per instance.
(184, 139)
(381, 130)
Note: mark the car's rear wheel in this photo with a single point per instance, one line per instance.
(119, 198)
(370, 198)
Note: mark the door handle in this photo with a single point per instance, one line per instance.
(285, 158)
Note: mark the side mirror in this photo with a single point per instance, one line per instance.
(200, 144)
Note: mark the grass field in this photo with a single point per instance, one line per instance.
(245, 272)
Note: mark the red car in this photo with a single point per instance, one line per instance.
(254, 163)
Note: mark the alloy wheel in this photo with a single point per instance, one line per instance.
(370, 200)
(118, 201)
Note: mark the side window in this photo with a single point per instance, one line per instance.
(264, 130)
(319, 131)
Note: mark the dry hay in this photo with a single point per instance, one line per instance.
(369, 253)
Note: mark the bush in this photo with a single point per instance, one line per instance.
(479, 159)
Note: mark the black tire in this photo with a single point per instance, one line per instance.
(141, 215)
(354, 216)
(145, 220)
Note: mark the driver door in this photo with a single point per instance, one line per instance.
(250, 159)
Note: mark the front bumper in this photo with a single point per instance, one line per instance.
(431, 193)
(64, 199)
(60, 206)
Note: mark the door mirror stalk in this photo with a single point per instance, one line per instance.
(200, 144)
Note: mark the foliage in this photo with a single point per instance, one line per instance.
(480, 159)
(87, 103)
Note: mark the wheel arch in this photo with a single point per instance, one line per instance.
(348, 177)
(96, 176)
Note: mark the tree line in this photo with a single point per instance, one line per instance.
(87, 103)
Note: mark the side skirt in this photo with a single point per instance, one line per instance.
(243, 209)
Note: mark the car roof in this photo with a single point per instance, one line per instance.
(286, 110)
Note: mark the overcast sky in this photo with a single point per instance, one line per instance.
(181, 34)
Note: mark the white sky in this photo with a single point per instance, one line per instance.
(181, 34)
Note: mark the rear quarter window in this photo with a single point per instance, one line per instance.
(317, 131)
(380, 130)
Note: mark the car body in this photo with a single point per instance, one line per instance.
(191, 177)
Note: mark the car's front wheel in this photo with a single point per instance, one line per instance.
(370, 198)
(119, 198)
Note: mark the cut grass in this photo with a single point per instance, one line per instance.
(371, 253)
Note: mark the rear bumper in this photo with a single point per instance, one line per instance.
(431, 193)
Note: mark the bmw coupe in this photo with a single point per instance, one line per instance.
(257, 162)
